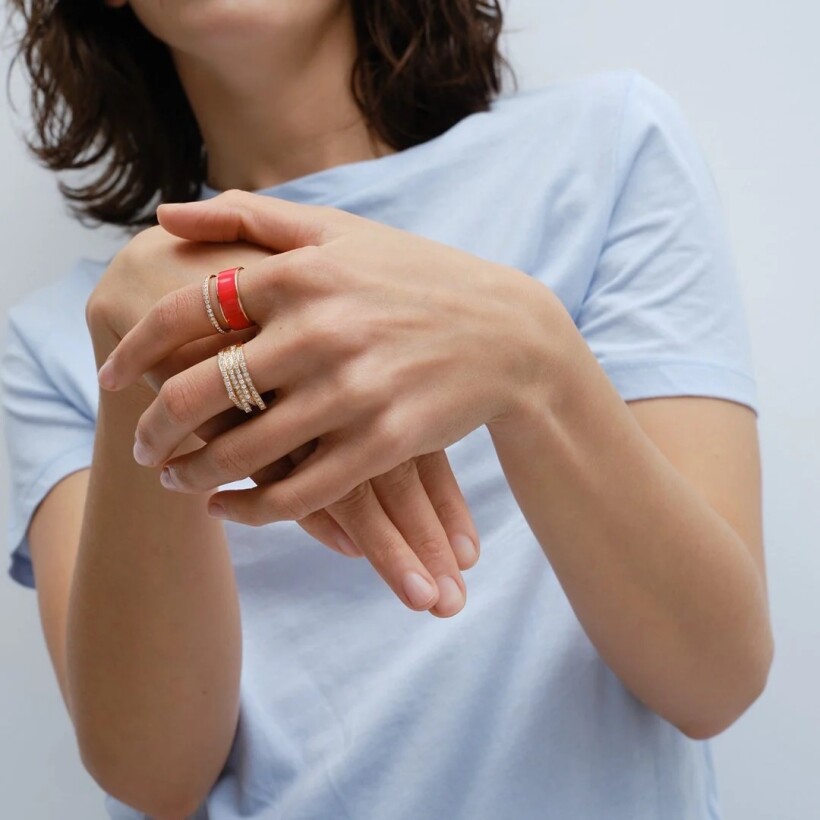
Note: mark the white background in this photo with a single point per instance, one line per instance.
(746, 73)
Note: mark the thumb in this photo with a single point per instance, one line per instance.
(236, 215)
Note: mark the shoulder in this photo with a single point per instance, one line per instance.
(591, 121)
(600, 96)
(618, 125)
(604, 108)
(597, 94)
(47, 349)
(55, 307)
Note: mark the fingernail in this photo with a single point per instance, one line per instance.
(217, 510)
(348, 547)
(141, 454)
(450, 599)
(464, 548)
(168, 478)
(418, 589)
(105, 375)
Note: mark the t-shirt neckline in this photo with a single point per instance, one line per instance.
(347, 177)
(319, 185)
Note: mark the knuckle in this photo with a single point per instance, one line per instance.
(449, 509)
(431, 547)
(307, 265)
(312, 257)
(170, 309)
(177, 400)
(289, 502)
(434, 465)
(332, 222)
(324, 218)
(233, 196)
(354, 500)
(400, 477)
(357, 389)
(229, 459)
(354, 338)
(326, 333)
(391, 435)
(308, 270)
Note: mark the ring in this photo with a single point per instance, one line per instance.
(227, 297)
(227, 294)
(237, 379)
(206, 295)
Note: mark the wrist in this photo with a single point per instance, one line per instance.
(104, 340)
(544, 339)
(103, 337)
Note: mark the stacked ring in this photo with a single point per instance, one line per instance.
(227, 297)
(206, 295)
(231, 359)
(237, 379)
(229, 301)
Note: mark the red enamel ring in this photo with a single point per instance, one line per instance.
(227, 293)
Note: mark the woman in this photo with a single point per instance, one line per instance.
(539, 282)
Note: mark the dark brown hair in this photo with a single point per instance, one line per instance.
(105, 92)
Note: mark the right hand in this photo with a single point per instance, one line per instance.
(401, 521)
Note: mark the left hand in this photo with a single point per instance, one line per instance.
(411, 521)
(382, 345)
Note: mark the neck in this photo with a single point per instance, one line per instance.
(287, 113)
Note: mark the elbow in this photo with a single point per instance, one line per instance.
(160, 798)
(167, 777)
(753, 684)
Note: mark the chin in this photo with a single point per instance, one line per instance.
(194, 25)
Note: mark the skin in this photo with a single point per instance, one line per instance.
(665, 571)
(124, 678)
(242, 65)
(423, 532)
(677, 562)
(268, 83)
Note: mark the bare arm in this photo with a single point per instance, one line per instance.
(153, 637)
(54, 536)
(650, 515)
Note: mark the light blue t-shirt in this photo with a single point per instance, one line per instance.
(354, 707)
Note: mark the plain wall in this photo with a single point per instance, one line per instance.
(746, 73)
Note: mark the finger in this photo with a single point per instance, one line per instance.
(451, 508)
(180, 317)
(188, 399)
(190, 354)
(228, 419)
(325, 476)
(322, 526)
(243, 216)
(372, 530)
(273, 472)
(250, 446)
(386, 549)
(301, 453)
(404, 499)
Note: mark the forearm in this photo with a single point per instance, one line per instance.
(664, 587)
(153, 645)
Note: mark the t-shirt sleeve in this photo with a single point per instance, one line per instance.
(663, 311)
(47, 435)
